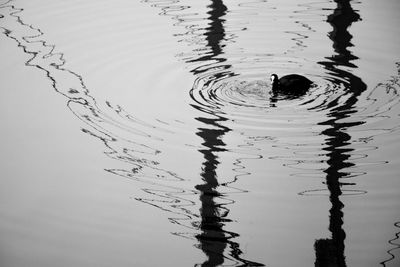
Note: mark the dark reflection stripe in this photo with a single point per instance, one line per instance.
(331, 252)
(216, 242)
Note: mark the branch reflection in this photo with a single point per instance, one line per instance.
(331, 252)
(214, 239)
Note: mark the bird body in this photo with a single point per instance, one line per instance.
(292, 83)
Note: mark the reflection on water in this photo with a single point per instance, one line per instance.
(396, 245)
(392, 87)
(110, 123)
(331, 252)
(236, 117)
(214, 239)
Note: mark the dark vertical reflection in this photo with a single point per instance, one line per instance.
(214, 239)
(331, 252)
(215, 32)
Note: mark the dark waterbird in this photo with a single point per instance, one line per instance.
(292, 84)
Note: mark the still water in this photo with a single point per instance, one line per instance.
(145, 133)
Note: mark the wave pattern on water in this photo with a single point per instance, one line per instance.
(395, 246)
(324, 134)
(329, 148)
(109, 123)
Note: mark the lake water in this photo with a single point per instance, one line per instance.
(145, 133)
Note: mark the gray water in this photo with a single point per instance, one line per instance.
(145, 133)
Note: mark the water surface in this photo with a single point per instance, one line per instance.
(146, 133)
